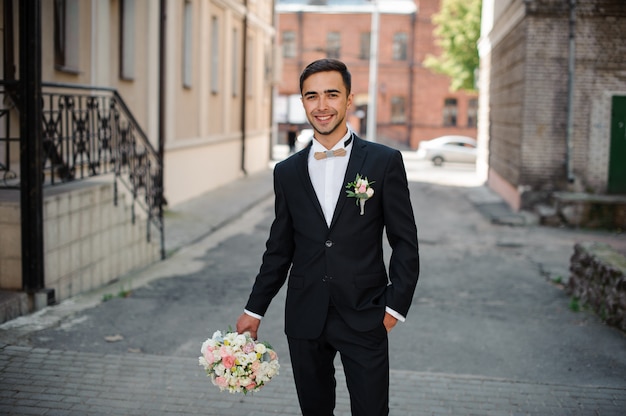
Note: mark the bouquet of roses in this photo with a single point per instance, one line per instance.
(237, 363)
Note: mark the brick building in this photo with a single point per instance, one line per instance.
(553, 99)
(413, 103)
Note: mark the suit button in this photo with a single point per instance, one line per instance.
(329, 243)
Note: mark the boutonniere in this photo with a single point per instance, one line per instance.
(361, 190)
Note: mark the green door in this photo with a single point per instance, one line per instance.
(617, 155)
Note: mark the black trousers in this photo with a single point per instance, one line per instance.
(365, 359)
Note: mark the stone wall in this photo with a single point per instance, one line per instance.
(598, 280)
(89, 241)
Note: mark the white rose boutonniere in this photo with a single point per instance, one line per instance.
(361, 190)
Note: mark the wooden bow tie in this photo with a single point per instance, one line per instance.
(329, 153)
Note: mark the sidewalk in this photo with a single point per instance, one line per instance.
(56, 381)
(191, 221)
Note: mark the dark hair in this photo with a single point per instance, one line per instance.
(324, 65)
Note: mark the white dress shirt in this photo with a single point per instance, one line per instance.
(327, 175)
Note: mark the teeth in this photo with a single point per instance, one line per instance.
(323, 118)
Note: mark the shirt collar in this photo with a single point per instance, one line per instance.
(318, 147)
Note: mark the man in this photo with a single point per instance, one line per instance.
(339, 295)
(291, 139)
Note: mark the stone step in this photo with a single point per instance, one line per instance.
(590, 210)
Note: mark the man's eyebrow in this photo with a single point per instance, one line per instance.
(325, 92)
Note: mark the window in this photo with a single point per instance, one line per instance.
(127, 39)
(472, 112)
(449, 112)
(333, 45)
(289, 44)
(235, 61)
(66, 26)
(399, 46)
(398, 111)
(365, 45)
(187, 46)
(215, 55)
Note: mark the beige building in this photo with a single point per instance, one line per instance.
(172, 98)
(218, 93)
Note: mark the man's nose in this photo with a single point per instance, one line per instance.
(323, 102)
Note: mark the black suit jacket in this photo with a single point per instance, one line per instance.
(343, 263)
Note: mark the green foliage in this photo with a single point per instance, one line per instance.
(574, 305)
(457, 31)
(123, 293)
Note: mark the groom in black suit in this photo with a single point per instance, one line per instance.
(340, 296)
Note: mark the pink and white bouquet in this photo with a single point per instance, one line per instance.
(237, 363)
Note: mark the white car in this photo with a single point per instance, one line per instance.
(448, 149)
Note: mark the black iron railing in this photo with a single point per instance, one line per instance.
(86, 132)
(9, 134)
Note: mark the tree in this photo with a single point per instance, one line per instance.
(457, 31)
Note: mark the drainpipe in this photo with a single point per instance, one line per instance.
(409, 108)
(300, 38)
(244, 52)
(570, 89)
(372, 104)
(273, 87)
(161, 146)
(31, 155)
(9, 53)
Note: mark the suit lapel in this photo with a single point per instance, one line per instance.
(355, 165)
(303, 174)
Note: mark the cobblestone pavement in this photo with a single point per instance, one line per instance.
(38, 381)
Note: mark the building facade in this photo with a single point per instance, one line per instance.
(552, 98)
(412, 103)
(207, 80)
(172, 97)
(219, 93)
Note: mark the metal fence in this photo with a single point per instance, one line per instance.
(86, 132)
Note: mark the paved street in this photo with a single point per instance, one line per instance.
(490, 332)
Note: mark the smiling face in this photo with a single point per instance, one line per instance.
(325, 100)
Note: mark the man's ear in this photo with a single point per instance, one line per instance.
(349, 100)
